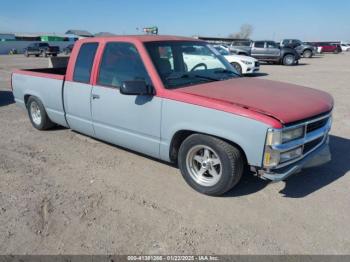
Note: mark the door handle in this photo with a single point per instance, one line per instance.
(94, 96)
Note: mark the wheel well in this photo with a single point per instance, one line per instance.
(26, 97)
(181, 135)
(307, 49)
(284, 55)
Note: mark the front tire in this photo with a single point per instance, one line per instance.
(307, 54)
(288, 60)
(37, 114)
(237, 67)
(210, 165)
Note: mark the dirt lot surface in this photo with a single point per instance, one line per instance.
(65, 193)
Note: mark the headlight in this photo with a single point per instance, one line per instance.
(275, 137)
(273, 157)
(292, 134)
(246, 62)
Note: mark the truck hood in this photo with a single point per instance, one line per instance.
(285, 102)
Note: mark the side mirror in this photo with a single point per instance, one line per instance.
(136, 87)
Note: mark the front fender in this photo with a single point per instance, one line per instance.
(248, 133)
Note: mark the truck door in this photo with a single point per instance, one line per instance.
(77, 93)
(258, 50)
(131, 121)
(272, 50)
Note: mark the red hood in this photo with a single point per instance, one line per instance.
(286, 102)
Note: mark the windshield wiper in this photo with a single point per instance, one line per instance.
(190, 75)
(225, 71)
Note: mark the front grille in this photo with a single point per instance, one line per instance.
(316, 125)
(311, 145)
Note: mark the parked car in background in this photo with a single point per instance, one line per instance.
(267, 51)
(327, 47)
(41, 49)
(68, 49)
(241, 47)
(345, 47)
(304, 49)
(243, 64)
(209, 121)
(270, 51)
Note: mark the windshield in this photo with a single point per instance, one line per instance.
(221, 50)
(188, 63)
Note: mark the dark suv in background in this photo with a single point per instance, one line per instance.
(39, 49)
(303, 49)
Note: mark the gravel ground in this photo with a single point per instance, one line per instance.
(65, 193)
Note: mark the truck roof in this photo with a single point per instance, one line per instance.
(140, 38)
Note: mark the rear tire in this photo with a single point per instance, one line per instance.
(237, 67)
(307, 53)
(37, 114)
(288, 60)
(210, 165)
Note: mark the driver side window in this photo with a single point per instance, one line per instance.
(271, 45)
(121, 62)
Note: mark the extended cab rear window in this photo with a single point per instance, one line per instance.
(85, 60)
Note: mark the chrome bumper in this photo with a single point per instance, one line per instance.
(318, 157)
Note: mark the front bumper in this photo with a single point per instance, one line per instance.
(251, 70)
(318, 157)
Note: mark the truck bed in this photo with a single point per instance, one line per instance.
(55, 73)
(44, 83)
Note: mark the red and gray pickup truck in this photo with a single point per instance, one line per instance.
(139, 93)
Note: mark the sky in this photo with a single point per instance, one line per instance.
(308, 20)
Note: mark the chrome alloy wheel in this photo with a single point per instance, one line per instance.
(35, 113)
(204, 165)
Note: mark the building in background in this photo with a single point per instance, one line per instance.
(79, 33)
(220, 40)
(7, 37)
(47, 38)
(104, 34)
